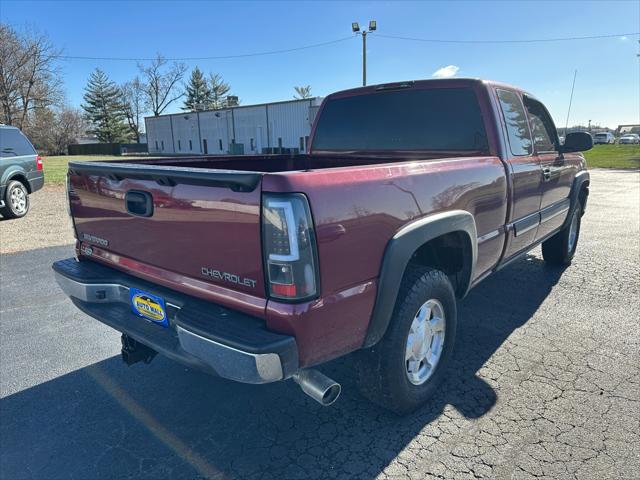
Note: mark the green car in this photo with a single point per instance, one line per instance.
(20, 172)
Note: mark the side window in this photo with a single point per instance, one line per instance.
(14, 144)
(542, 127)
(516, 122)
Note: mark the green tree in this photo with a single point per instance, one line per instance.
(104, 109)
(197, 92)
(219, 91)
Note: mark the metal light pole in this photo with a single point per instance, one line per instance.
(364, 58)
(355, 27)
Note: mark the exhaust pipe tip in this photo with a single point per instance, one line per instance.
(318, 386)
(331, 394)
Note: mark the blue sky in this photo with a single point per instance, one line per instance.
(607, 87)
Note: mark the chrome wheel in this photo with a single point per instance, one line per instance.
(573, 232)
(425, 342)
(18, 200)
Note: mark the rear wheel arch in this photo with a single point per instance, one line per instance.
(420, 243)
(452, 254)
(15, 198)
(19, 177)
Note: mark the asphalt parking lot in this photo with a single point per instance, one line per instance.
(545, 382)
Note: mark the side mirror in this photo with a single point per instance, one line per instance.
(577, 142)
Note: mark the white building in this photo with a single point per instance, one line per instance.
(249, 130)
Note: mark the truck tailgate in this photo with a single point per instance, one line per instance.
(200, 227)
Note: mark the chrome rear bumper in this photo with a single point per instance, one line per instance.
(200, 334)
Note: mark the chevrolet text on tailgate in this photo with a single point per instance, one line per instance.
(259, 268)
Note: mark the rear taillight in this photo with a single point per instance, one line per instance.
(289, 243)
(38, 162)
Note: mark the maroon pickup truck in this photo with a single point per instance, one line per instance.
(258, 268)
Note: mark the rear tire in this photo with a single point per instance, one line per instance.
(390, 373)
(560, 249)
(16, 200)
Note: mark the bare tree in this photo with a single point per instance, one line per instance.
(29, 75)
(161, 82)
(302, 92)
(70, 124)
(133, 100)
(53, 130)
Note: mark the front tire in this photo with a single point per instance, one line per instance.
(16, 200)
(560, 249)
(403, 370)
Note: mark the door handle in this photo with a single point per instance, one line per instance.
(139, 203)
(546, 173)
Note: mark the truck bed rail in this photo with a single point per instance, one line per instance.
(235, 180)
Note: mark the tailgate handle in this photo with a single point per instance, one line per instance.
(139, 203)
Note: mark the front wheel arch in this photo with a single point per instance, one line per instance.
(579, 192)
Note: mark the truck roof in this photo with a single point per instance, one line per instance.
(457, 81)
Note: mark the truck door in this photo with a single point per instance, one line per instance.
(557, 173)
(525, 170)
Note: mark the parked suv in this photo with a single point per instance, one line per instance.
(20, 172)
(604, 138)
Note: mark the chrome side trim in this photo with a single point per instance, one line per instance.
(522, 231)
(555, 209)
(531, 221)
(232, 363)
(525, 224)
(488, 236)
(555, 214)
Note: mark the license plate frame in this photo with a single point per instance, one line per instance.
(148, 306)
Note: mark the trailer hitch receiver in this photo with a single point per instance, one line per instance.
(134, 351)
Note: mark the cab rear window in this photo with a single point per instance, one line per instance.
(420, 119)
(14, 144)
